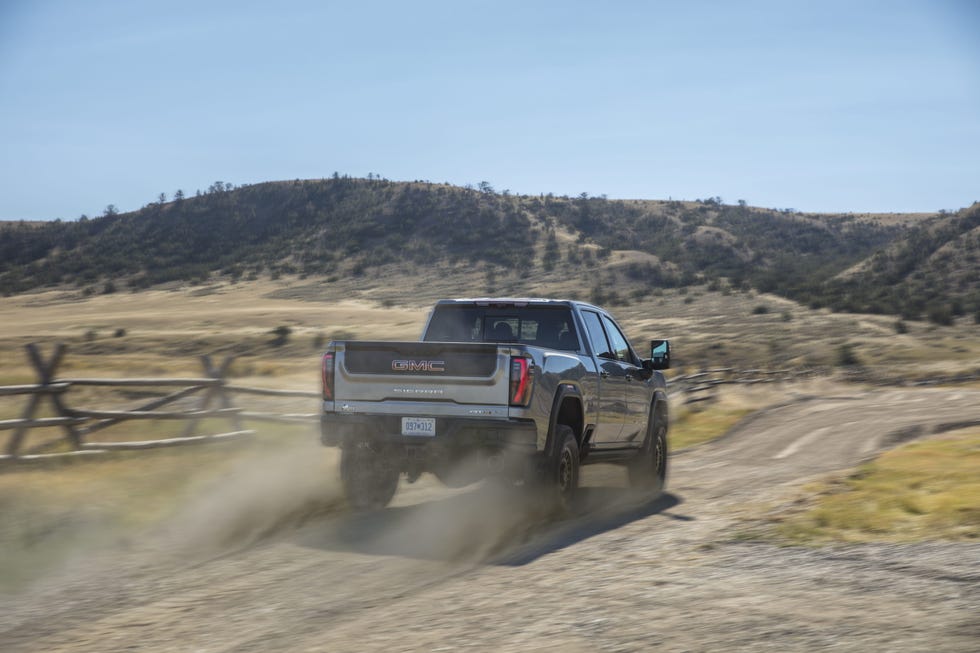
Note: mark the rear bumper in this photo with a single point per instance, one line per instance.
(455, 434)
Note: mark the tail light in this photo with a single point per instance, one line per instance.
(521, 380)
(327, 371)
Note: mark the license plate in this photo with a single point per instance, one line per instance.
(419, 426)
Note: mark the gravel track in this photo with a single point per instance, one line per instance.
(466, 570)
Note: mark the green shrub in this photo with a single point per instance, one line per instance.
(846, 356)
(281, 334)
(941, 315)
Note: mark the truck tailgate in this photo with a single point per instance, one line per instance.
(460, 373)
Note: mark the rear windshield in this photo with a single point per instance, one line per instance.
(550, 327)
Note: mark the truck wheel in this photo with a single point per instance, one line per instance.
(561, 481)
(369, 482)
(648, 471)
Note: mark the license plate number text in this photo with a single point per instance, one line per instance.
(425, 426)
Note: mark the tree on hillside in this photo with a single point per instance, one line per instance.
(552, 255)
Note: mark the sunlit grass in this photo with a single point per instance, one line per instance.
(924, 490)
(697, 423)
(692, 428)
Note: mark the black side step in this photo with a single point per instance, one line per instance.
(618, 455)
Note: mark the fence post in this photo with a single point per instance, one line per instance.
(45, 370)
(215, 392)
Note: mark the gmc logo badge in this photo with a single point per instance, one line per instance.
(418, 366)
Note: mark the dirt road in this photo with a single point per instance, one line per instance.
(467, 570)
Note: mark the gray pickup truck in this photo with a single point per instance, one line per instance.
(523, 390)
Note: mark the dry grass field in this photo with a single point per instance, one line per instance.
(162, 330)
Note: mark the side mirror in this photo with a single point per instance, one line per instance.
(660, 354)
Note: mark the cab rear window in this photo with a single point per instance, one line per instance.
(550, 327)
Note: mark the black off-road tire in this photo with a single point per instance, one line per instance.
(560, 482)
(648, 471)
(369, 482)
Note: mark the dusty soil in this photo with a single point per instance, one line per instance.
(470, 570)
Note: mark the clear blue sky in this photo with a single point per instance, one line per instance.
(818, 106)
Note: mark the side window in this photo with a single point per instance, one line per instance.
(600, 346)
(619, 345)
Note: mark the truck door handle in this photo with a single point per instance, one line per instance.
(603, 374)
(629, 377)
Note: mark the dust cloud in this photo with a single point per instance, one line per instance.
(430, 521)
(260, 493)
(492, 521)
(294, 493)
(232, 496)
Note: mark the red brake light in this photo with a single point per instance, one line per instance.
(327, 375)
(521, 380)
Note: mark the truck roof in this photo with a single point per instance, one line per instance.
(517, 301)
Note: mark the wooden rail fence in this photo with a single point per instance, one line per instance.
(214, 400)
(703, 386)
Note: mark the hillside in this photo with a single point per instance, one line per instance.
(343, 227)
(933, 271)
